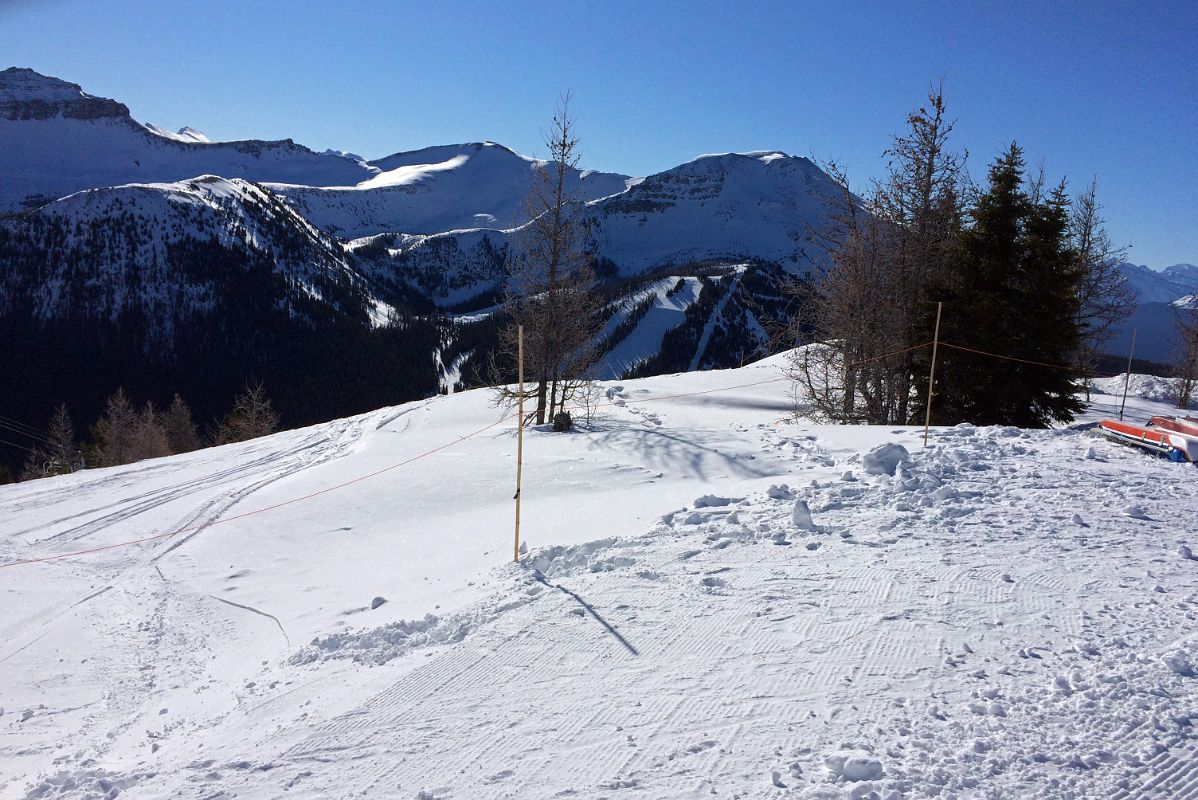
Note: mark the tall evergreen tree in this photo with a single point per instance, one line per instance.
(1013, 292)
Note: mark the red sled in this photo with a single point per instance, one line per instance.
(1174, 446)
(1184, 425)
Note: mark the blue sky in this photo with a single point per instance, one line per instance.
(1089, 89)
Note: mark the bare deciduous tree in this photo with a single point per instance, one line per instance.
(1185, 368)
(550, 280)
(113, 434)
(181, 430)
(1105, 298)
(886, 251)
(148, 438)
(58, 454)
(252, 416)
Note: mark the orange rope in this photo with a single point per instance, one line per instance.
(1007, 358)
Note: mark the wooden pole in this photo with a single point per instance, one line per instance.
(519, 434)
(927, 417)
(1127, 377)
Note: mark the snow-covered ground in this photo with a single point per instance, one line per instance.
(1011, 614)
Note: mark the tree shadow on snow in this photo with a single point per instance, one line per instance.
(695, 455)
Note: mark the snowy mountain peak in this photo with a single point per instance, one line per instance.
(439, 154)
(751, 158)
(190, 135)
(437, 189)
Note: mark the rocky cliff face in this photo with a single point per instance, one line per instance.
(28, 95)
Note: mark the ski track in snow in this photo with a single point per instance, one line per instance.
(949, 631)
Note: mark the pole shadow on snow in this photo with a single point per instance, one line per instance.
(590, 610)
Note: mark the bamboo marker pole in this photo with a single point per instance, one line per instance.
(927, 417)
(1127, 378)
(519, 434)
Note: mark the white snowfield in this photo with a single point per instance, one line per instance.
(714, 603)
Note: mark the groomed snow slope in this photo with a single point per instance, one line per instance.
(1010, 615)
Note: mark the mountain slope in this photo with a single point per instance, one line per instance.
(196, 287)
(1161, 286)
(172, 251)
(1157, 293)
(765, 206)
(55, 140)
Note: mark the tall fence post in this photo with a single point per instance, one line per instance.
(927, 417)
(1127, 376)
(519, 434)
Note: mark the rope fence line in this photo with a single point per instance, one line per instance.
(1008, 358)
(439, 448)
(888, 355)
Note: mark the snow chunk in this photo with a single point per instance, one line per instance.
(1184, 552)
(885, 459)
(1179, 662)
(714, 501)
(853, 765)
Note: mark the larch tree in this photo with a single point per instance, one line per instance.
(181, 433)
(1104, 298)
(112, 435)
(550, 279)
(252, 416)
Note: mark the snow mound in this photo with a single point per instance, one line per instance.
(885, 459)
(854, 765)
(1149, 387)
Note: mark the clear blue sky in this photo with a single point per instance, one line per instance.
(1088, 88)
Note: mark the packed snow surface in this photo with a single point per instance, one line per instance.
(712, 601)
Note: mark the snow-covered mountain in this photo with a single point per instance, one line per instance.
(55, 140)
(195, 287)
(1161, 286)
(762, 207)
(1159, 294)
(173, 251)
(478, 185)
